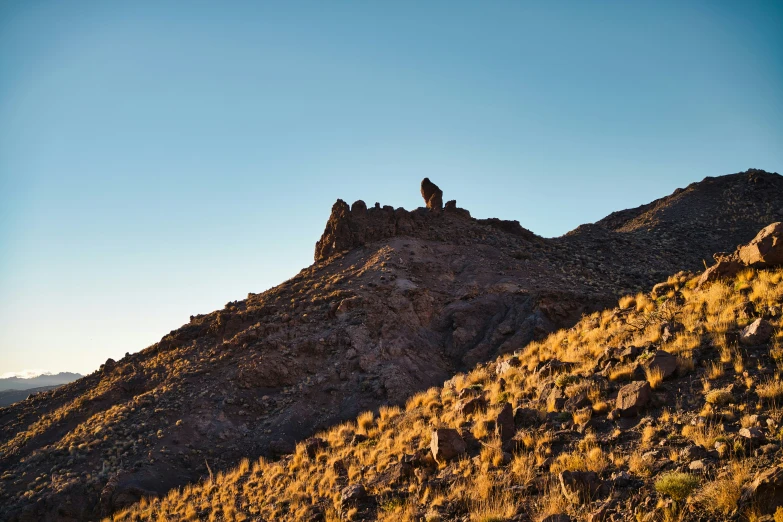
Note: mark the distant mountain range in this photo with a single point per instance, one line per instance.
(20, 383)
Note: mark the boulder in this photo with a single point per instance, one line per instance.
(312, 445)
(507, 365)
(633, 397)
(504, 423)
(754, 435)
(446, 444)
(580, 486)
(352, 495)
(726, 267)
(766, 249)
(469, 406)
(629, 354)
(526, 417)
(757, 332)
(109, 365)
(578, 401)
(663, 361)
(433, 196)
(766, 491)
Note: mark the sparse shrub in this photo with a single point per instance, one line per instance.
(720, 496)
(654, 376)
(622, 372)
(676, 484)
(719, 397)
(715, 370)
(638, 466)
(364, 422)
(563, 380)
(770, 390)
(704, 435)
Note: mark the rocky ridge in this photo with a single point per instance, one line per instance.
(396, 302)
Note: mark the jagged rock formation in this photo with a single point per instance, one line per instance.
(433, 196)
(396, 302)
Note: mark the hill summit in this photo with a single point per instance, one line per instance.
(396, 302)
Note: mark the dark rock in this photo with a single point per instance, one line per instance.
(433, 196)
(312, 445)
(754, 435)
(633, 397)
(577, 402)
(526, 417)
(664, 362)
(580, 486)
(446, 444)
(629, 354)
(766, 491)
(469, 406)
(353, 495)
(504, 423)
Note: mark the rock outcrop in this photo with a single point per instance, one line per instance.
(766, 249)
(433, 196)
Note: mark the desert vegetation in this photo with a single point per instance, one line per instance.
(574, 446)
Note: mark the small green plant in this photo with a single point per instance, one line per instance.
(644, 357)
(392, 504)
(676, 484)
(563, 380)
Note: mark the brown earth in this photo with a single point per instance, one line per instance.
(396, 302)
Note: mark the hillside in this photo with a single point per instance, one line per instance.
(396, 302)
(8, 397)
(666, 407)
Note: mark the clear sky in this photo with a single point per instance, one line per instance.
(158, 159)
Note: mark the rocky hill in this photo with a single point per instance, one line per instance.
(8, 397)
(396, 302)
(666, 407)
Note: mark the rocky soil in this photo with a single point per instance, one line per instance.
(396, 302)
(665, 408)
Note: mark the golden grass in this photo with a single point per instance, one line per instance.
(715, 370)
(721, 496)
(704, 435)
(258, 490)
(770, 390)
(654, 376)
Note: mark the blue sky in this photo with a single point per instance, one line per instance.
(158, 159)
